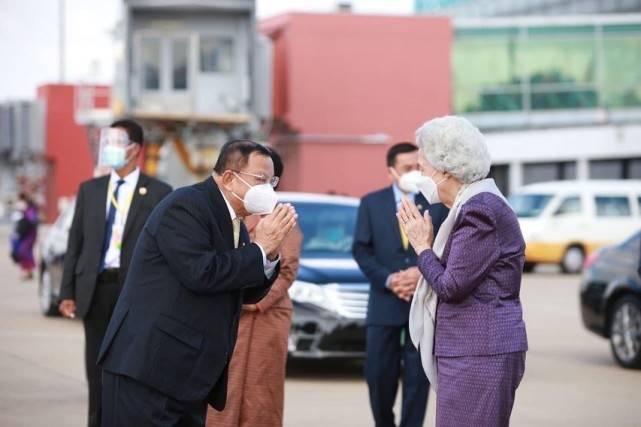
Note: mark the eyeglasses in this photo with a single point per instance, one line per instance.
(273, 181)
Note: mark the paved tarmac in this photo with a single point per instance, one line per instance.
(570, 380)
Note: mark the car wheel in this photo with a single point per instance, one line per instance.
(529, 267)
(573, 260)
(48, 306)
(625, 332)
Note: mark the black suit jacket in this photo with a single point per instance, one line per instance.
(175, 324)
(378, 250)
(84, 248)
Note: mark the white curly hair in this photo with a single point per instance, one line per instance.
(453, 144)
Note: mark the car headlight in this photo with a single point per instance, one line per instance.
(310, 293)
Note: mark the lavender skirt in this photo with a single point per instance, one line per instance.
(477, 390)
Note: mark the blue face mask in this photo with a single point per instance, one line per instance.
(114, 156)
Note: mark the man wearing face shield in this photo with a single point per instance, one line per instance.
(109, 215)
(385, 256)
(167, 348)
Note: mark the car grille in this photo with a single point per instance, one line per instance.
(350, 299)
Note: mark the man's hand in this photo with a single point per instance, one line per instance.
(403, 283)
(273, 228)
(67, 308)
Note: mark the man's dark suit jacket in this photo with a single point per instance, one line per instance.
(84, 249)
(378, 250)
(175, 324)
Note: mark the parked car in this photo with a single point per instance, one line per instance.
(329, 295)
(611, 299)
(52, 252)
(564, 222)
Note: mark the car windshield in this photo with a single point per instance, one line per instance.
(529, 205)
(328, 229)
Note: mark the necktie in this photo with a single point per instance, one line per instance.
(404, 239)
(236, 223)
(111, 216)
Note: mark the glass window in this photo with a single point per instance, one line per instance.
(529, 205)
(150, 54)
(542, 172)
(613, 206)
(561, 65)
(328, 229)
(569, 206)
(634, 169)
(501, 175)
(180, 64)
(216, 54)
(486, 73)
(622, 65)
(606, 169)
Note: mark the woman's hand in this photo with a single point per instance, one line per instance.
(417, 227)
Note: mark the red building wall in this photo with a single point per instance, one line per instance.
(340, 78)
(67, 147)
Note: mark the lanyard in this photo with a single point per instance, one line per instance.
(124, 208)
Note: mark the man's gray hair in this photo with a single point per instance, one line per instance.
(453, 144)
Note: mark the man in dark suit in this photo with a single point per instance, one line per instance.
(109, 215)
(384, 255)
(168, 345)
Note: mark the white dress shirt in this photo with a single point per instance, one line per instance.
(268, 265)
(125, 196)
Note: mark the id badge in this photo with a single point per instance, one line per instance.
(116, 236)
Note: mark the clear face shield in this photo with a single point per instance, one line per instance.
(113, 148)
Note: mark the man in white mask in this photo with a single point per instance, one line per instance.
(384, 255)
(166, 352)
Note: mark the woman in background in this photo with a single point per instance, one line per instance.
(25, 235)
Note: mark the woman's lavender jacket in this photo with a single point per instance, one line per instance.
(478, 282)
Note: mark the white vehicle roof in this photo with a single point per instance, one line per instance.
(603, 185)
(295, 197)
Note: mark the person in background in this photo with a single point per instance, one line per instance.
(257, 369)
(384, 255)
(109, 215)
(466, 317)
(24, 235)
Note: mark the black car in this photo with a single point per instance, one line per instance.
(330, 293)
(611, 299)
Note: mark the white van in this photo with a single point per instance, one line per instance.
(563, 222)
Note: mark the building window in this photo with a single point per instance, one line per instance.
(501, 175)
(535, 68)
(150, 54)
(613, 206)
(216, 54)
(180, 64)
(615, 169)
(570, 206)
(542, 172)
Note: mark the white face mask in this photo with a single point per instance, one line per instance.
(429, 189)
(113, 148)
(260, 199)
(113, 156)
(408, 182)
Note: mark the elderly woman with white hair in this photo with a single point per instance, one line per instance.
(466, 316)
